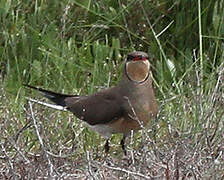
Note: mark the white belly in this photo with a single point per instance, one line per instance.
(104, 130)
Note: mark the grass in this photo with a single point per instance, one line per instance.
(78, 47)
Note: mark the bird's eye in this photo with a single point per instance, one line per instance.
(136, 58)
(130, 58)
(139, 57)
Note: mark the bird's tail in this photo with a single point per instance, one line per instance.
(57, 98)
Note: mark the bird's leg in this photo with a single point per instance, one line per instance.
(106, 146)
(123, 145)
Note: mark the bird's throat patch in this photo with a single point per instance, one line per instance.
(137, 71)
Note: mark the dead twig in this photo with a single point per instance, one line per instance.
(51, 167)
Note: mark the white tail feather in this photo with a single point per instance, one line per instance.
(53, 106)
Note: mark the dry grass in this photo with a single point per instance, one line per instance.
(152, 154)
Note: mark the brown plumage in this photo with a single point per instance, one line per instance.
(128, 106)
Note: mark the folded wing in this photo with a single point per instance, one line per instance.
(99, 108)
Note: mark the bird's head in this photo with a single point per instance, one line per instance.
(137, 66)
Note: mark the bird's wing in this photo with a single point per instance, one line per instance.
(99, 108)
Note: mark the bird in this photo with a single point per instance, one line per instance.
(123, 108)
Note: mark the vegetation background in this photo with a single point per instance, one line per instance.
(78, 46)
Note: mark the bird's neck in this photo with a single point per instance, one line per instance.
(137, 71)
